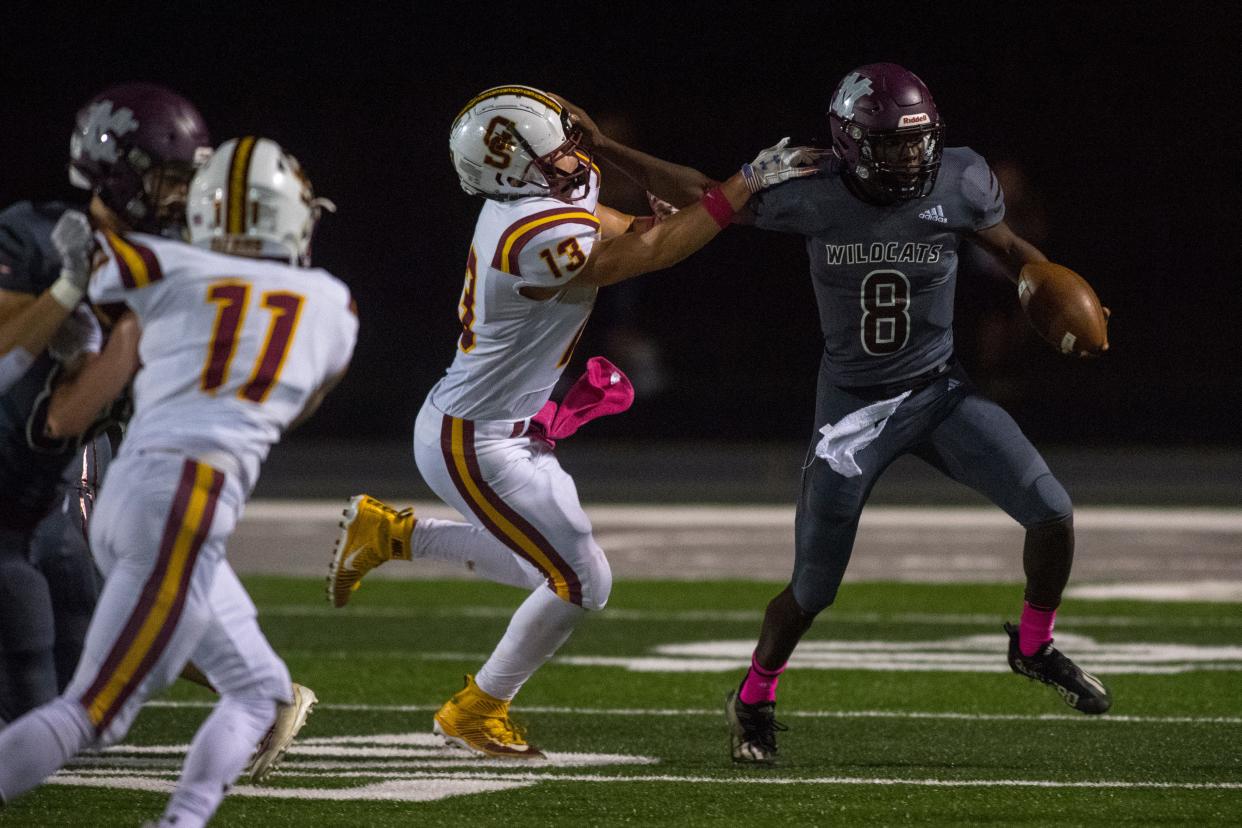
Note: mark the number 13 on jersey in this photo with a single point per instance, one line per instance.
(232, 299)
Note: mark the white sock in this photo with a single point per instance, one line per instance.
(221, 748)
(538, 628)
(473, 548)
(38, 744)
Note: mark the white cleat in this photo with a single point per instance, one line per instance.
(290, 719)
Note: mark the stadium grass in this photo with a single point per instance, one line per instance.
(409, 644)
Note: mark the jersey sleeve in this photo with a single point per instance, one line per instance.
(981, 192)
(129, 265)
(788, 207)
(546, 249)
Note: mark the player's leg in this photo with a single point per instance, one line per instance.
(517, 491)
(373, 533)
(980, 445)
(252, 682)
(826, 523)
(61, 551)
(26, 629)
(163, 520)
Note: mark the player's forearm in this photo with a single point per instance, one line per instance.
(34, 326)
(76, 402)
(1013, 250)
(677, 184)
(667, 242)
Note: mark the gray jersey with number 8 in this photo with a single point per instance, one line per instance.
(884, 276)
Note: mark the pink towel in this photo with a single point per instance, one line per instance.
(602, 390)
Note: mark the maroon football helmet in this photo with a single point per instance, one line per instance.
(887, 131)
(131, 146)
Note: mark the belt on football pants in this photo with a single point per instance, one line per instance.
(885, 391)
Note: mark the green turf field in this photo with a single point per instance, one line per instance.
(901, 710)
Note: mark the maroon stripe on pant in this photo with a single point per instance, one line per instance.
(176, 516)
(174, 613)
(472, 465)
(573, 585)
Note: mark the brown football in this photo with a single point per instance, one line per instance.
(1063, 308)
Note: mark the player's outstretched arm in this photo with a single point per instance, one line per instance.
(76, 403)
(668, 242)
(678, 184)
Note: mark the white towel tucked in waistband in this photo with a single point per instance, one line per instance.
(854, 432)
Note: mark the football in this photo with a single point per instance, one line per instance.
(1063, 308)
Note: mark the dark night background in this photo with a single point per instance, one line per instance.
(1119, 116)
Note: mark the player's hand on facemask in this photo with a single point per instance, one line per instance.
(579, 118)
(660, 209)
(780, 162)
(75, 242)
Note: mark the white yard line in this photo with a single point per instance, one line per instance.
(1175, 519)
(148, 780)
(790, 714)
(744, 616)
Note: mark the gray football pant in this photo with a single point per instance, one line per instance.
(949, 425)
(48, 588)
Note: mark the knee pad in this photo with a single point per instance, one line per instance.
(596, 580)
(1051, 502)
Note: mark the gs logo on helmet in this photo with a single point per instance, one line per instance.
(499, 143)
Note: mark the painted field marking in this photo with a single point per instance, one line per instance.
(981, 653)
(792, 714)
(1140, 519)
(412, 788)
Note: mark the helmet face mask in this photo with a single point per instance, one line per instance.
(516, 142)
(887, 131)
(134, 146)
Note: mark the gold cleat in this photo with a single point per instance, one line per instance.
(290, 719)
(480, 723)
(371, 533)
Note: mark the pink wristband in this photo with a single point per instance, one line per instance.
(718, 207)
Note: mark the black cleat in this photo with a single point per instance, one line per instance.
(752, 730)
(1080, 690)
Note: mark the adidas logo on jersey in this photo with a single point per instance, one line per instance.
(934, 214)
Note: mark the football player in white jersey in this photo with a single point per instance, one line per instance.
(235, 344)
(542, 248)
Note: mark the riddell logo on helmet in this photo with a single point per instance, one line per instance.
(914, 120)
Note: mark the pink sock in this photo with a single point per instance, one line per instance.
(1035, 628)
(759, 686)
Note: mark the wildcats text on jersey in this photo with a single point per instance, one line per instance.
(889, 252)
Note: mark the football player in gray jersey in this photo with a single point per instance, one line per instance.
(883, 224)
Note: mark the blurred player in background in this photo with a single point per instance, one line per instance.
(231, 349)
(48, 581)
(542, 248)
(133, 148)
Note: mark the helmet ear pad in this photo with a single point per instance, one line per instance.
(887, 132)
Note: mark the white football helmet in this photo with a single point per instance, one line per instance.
(506, 143)
(252, 199)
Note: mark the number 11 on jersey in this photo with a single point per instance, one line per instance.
(232, 298)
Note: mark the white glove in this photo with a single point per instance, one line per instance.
(78, 334)
(780, 163)
(74, 241)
